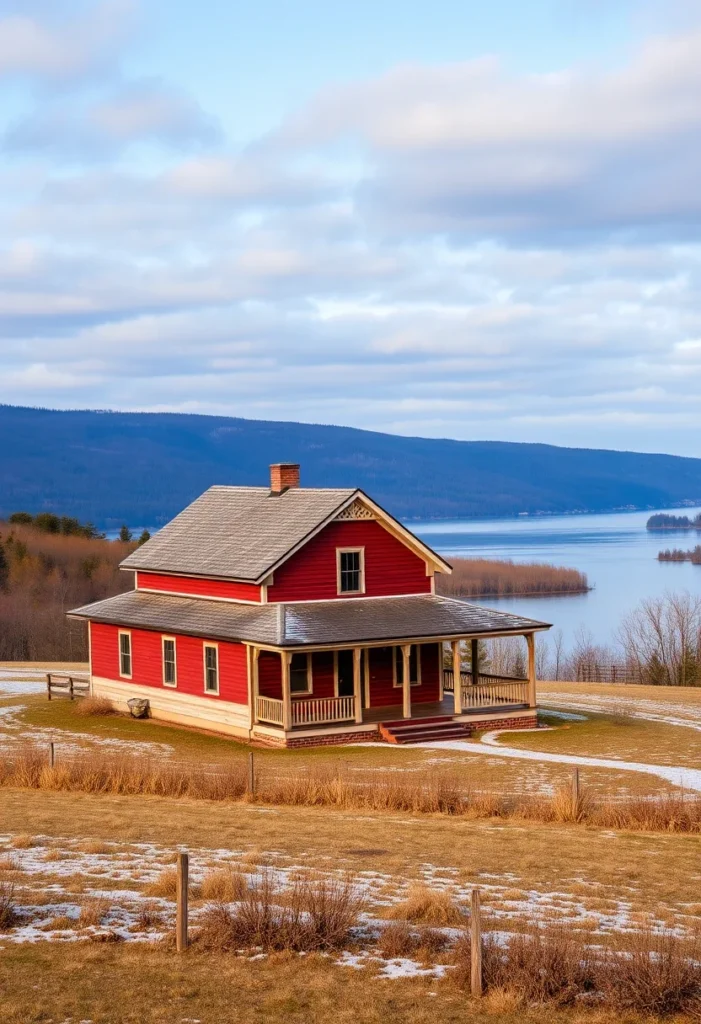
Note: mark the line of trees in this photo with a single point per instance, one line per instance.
(43, 574)
(665, 521)
(679, 555)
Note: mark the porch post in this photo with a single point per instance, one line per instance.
(406, 680)
(475, 656)
(530, 640)
(255, 683)
(357, 694)
(457, 684)
(285, 658)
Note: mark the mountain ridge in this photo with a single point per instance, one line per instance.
(141, 468)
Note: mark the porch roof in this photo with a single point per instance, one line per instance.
(312, 623)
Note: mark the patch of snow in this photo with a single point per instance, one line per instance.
(686, 778)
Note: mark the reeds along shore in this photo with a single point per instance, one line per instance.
(442, 793)
(480, 577)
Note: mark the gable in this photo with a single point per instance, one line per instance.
(390, 567)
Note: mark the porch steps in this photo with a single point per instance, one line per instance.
(423, 730)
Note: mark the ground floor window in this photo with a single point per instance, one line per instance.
(301, 673)
(414, 666)
(170, 675)
(125, 655)
(211, 668)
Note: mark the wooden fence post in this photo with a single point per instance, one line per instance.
(251, 776)
(70, 686)
(52, 754)
(48, 686)
(575, 787)
(475, 945)
(181, 938)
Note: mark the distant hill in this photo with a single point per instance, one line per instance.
(141, 468)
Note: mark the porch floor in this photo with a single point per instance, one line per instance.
(393, 712)
(432, 709)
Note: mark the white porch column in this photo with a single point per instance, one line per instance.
(357, 692)
(286, 658)
(475, 659)
(406, 681)
(457, 685)
(530, 640)
(255, 683)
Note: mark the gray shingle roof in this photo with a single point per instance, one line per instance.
(309, 623)
(237, 532)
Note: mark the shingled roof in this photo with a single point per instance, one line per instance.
(307, 624)
(238, 532)
(244, 533)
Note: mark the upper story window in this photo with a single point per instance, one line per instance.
(351, 570)
(170, 672)
(301, 673)
(125, 654)
(211, 668)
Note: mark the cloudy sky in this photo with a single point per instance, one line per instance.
(455, 218)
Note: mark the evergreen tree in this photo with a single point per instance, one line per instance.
(124, 533)
(144, 537)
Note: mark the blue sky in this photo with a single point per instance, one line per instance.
(450, 219)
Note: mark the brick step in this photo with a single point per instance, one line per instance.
(410, 723)
(444, 729)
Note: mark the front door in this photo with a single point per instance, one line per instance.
(345, 673)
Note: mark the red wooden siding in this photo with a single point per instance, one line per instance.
(197, 587)
(382, 690)
(147, 664)
(390, 567)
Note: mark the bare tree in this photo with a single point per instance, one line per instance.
(662, 638)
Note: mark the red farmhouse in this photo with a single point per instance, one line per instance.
(296, 616)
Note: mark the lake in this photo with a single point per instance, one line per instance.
(615, 551)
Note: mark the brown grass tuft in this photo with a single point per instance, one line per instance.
(92, 914)
(23, 842)
(652, 973)
(164, 886)
(8, 910)
(428, 906)
(307, 917)
(95, 706)
(225, 885)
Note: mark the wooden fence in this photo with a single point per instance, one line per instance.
(69, 685)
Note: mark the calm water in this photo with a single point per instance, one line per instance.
(615, 551)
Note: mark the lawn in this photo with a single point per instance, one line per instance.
(65, 850)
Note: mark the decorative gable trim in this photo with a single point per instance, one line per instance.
(434, 562)
(357, 510)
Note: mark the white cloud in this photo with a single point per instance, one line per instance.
(65, 44)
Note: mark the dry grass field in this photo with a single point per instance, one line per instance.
(90, 876)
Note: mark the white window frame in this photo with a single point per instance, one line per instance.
(396, 682)
(310, 676)
(130, 673)
(173, 640)
(205, 648)
(348, 551)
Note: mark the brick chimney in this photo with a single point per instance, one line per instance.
(283, 475)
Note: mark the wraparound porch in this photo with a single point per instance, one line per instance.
(413, 695)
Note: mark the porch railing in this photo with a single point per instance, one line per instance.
(315, 711)
(322, 709)
(268, 709)
(489, 691)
